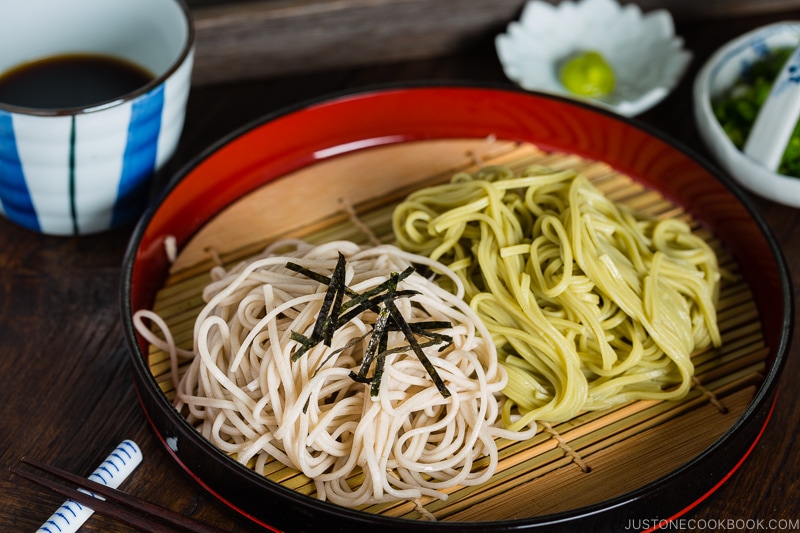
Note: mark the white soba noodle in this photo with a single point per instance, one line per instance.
(245, 394)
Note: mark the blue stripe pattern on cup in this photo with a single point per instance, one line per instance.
(15, 199)
(140, 156)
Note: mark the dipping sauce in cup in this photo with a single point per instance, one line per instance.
(92, 102)
(82, 80)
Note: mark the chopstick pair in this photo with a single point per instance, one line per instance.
(119, 505)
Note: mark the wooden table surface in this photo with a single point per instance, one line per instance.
(66, 392)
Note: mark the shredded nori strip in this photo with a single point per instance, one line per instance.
(332, 294)
(390, 285)
(378, 334)
(422, 328)
(316, 276)
(374, 304)
(380, 364)
(338, 285)
(397, 316)
(327, 317)
(304, 341)
(335, 312)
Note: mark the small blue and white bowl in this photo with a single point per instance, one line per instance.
(715, 78)
(86, 170)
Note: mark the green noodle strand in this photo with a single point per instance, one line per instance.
(589, 303)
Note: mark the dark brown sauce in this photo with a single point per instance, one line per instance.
(70, 80)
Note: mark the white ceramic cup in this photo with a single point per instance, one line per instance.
(85, 170)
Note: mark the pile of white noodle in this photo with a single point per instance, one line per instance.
(246, 396)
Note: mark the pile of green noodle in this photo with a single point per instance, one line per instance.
(589, 304)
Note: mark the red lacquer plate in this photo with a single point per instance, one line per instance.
(350, 124)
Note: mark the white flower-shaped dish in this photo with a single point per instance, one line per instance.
(647, 58)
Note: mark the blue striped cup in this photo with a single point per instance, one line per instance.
(85, 170)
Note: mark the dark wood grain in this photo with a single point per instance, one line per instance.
(66, 393)
(283, 37)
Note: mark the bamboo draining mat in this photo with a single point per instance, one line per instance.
(589, 459)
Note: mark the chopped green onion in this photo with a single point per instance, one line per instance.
(737, 109)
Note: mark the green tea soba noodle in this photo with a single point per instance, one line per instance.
(589, 304)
